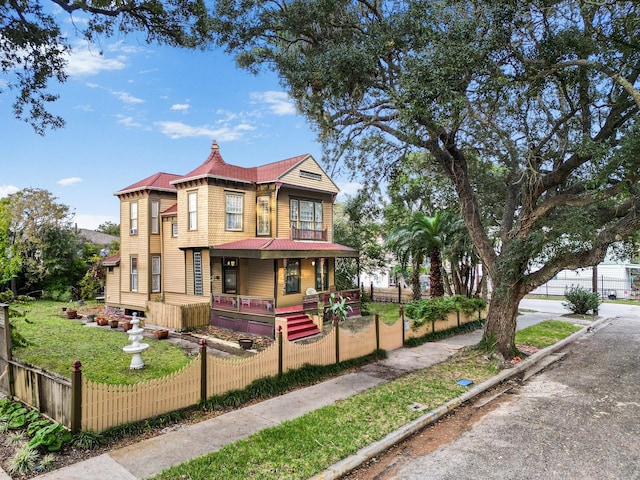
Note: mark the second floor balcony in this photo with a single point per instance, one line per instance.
(308, 234)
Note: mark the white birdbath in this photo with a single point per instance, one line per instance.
(136, 348)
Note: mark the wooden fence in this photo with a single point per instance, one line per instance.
(83, 404)
(178, 317)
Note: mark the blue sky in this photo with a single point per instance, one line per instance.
(134, 109)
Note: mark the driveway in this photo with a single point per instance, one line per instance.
(579, 419)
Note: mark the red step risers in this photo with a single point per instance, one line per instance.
(300, 326)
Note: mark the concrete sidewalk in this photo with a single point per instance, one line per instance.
(186, 442)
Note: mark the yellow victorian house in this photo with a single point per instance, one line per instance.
(254, 242)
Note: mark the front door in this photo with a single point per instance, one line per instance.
(230, 275)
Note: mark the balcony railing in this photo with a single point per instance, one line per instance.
(304, 234)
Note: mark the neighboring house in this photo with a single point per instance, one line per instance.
(100, 239)
(614, 280)
(252, 241)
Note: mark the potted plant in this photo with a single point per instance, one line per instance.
(246, 343)
(161, 334)
(114, 323)
(102, 321)
(71, 313)
(127, 325)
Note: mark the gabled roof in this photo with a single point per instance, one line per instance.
(172, 209)
(265, 248)
(111, 261)
(158, 181)
(215, 167)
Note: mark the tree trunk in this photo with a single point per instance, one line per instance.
(415, 282)
(435, 274)
(501, 323)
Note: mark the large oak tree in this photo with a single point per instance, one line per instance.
(542, 94)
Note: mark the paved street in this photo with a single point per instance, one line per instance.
(580, 419)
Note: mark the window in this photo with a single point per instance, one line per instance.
(155, 216)
(322, 274)
(263, 213)
(234, 211)
(193, 210)
(292, 276)
(305, 214)
(174, 229)
(311, 175)
(155, 274)
(197, 273)
(134, 274)
(133, 218)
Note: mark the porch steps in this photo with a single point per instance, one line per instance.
(300, 326)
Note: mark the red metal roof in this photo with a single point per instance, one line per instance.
(282, 247)
(215, 166)
(111, 261)
(172, 209)
(157, 181)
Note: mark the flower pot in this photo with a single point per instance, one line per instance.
(114, 323)
(127, 325)
(102, 321)
(246, 343)
(161, 334)
(71, 314)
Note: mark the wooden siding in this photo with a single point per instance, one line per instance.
(217, 214)
(259, 278)
(173, 260)
(309, 165)
(112, 286)
(283, 217)
(198, 237)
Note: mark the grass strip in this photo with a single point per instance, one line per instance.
(546, 333)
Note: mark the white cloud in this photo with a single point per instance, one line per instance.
(224, 133)
(7, 190)
(69, 181)
(126, 97)
(180, 107)
(278, 103)
(84, 59)
(129, 122)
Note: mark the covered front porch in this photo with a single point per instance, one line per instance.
(255, 281)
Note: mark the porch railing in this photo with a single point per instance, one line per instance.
(312, 302)
(242, 303)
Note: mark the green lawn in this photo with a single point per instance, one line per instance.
(300, 448)
(55, 342)
(388, 312)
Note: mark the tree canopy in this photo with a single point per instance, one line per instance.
(538, 98)
(34, 49)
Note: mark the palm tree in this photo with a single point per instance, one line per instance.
(423, 236)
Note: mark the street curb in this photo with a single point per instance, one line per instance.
(365, 454)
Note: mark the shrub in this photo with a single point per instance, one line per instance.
(87, 440)
(23, 461)
(422, 311)
(580, 301)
